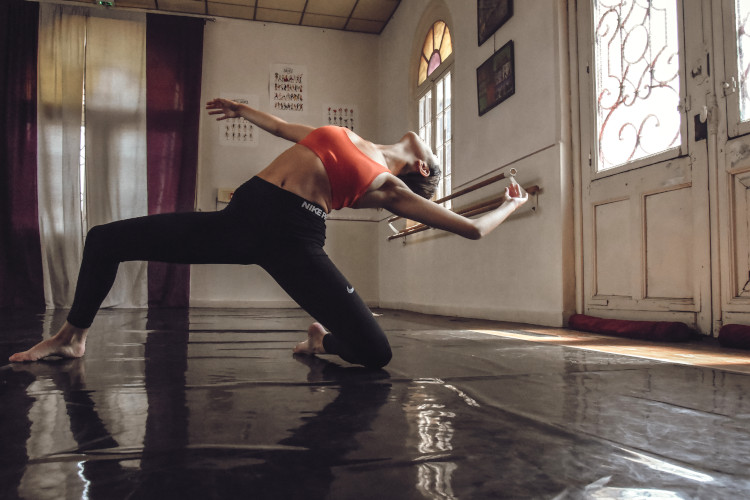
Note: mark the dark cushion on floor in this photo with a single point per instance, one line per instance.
(737, 336)
(660, 331)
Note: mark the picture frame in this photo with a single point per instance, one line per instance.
(496, 78)
(491, 14)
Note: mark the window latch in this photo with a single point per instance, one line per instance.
(685, 105)
(729, 87)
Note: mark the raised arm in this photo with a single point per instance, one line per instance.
(400, 200)
(294, 132)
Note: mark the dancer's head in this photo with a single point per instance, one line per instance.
(422, 175)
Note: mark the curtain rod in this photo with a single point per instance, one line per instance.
(125, 9)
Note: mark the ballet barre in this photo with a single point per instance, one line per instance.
(468, 211)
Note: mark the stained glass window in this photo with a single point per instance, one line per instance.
(435, 50)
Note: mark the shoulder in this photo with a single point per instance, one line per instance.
(383, 192)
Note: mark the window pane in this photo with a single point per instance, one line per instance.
(434, 63)
(439, 131)
(438, 29)
(447, 80)
(421, 113)
(447, 190)
(447, 162)
(448, 131)
(439, 95)
(637, 80)
(428, 46)
(422, 70)
(425, 118)
(446, 48)
(743, 56)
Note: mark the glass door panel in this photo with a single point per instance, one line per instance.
(637, 87)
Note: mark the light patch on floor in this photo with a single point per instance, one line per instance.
(695, 353)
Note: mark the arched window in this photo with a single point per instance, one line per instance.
(434, 94)
(436, 49)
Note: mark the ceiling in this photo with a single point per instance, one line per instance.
(363, 16)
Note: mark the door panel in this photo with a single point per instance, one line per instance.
(733, 181)
(613, 248)
(669, 238)
(643, 240)
(646, 235)
(735, 228)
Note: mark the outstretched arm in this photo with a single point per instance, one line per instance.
(294, 132)
(400, 200)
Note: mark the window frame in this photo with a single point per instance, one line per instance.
(732, 84)
(587, 76)
(429, 86)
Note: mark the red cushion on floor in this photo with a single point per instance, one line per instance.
(735, 336)
(660, 331)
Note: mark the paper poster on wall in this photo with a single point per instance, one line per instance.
(343, 115)
(238, 131)
(288, 87)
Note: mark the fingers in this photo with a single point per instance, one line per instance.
(517, 190)
(216, 103)
(218, 107)
(219, 112)
(516, 193)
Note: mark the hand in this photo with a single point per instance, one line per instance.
(224, 107)
(515, 193)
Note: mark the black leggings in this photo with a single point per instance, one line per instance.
(263, 225)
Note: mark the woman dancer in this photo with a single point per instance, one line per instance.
(277, 220)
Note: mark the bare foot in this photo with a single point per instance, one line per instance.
(314, 342)
(69, 342)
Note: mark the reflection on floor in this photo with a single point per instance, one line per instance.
(211, 404)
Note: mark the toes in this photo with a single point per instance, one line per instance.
(18, 357)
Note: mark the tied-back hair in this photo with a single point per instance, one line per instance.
(421, 185)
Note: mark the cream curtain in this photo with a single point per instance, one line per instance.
(110, 52)
(62, 32)
(116, 137)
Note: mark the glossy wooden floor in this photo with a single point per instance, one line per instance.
(211, 404)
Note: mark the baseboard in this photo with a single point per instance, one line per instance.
(253, 304)
(542, 318)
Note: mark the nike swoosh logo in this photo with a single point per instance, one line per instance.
(350, 289)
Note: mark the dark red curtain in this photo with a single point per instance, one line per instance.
(21, 279)
(174, 57)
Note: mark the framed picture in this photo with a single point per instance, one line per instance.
(496, 78)
(491, 14)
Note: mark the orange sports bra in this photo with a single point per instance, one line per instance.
(349, 170)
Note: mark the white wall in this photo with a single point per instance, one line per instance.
(341, 68)
(524, 270)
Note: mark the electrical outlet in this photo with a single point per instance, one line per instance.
(224, 195)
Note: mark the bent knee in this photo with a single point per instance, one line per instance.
(379, 359)
(103, 242)
(97, 234)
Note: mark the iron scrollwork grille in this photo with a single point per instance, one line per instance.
(637, 75)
